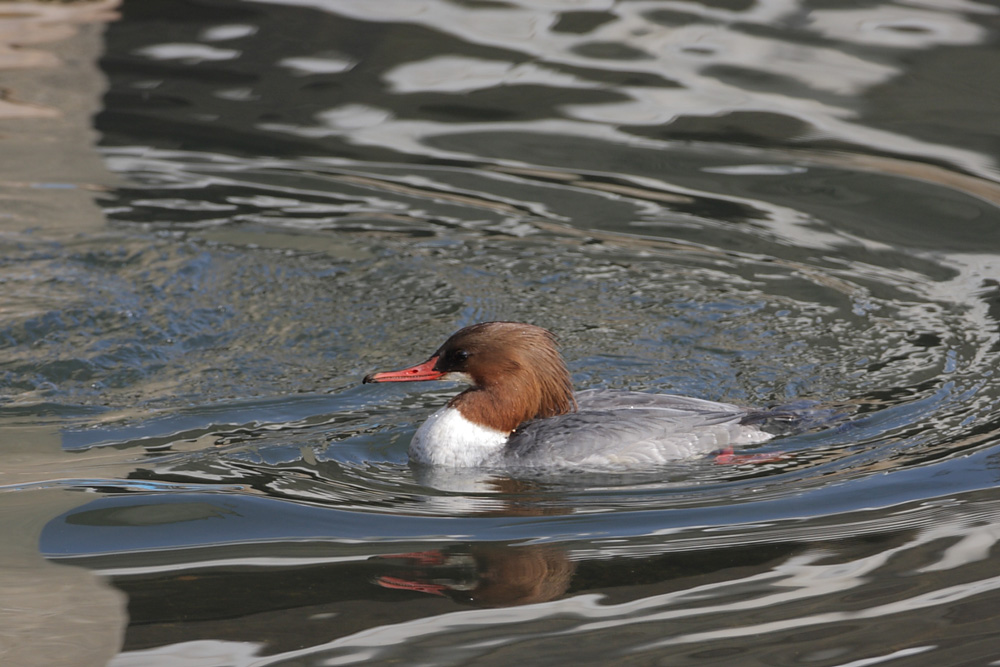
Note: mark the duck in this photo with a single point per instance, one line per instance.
(520, 410)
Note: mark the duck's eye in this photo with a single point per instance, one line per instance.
(459, 355)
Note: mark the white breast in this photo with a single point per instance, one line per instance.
(448, 438)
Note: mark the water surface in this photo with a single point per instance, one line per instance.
(765, 203)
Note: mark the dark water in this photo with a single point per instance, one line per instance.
(756, 202)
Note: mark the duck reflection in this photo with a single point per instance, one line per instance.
(480, 575)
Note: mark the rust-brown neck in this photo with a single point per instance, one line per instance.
(518, 396)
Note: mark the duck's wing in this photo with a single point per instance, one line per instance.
(630, 429)
(607, 399)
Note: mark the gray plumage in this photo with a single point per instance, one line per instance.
(629, 429)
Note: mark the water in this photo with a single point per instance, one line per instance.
(765, 203)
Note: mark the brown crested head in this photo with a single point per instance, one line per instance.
(515, 369)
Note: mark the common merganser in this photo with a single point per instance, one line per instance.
(521, 410)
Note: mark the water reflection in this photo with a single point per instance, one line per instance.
(754, 587)
(675, 64)
(480, 575)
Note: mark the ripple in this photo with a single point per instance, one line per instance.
(760, 203)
